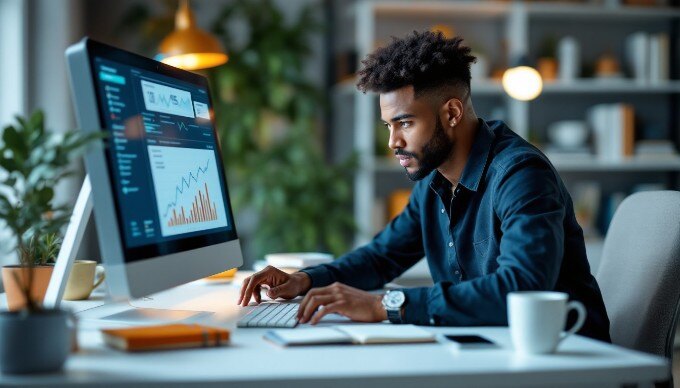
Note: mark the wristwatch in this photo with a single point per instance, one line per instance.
(393, 301)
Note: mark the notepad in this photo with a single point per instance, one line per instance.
(173, 336)
(350, 334)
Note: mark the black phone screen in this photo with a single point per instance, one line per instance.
(468, 339)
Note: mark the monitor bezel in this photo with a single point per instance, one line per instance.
(148, 251)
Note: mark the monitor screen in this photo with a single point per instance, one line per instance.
(163, 157)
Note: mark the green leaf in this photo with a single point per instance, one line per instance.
(14, 142)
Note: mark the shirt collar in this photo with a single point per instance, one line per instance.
(476, 163)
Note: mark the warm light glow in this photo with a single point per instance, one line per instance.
(196, 61)
(522, 83)
(189, 47)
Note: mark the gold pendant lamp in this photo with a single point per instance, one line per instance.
(189, 47)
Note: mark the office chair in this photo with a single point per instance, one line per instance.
(639, 274)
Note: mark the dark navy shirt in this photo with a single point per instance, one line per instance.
(509, 225)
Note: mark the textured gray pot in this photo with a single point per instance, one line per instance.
(35, 342)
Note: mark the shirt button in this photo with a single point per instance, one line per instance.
(457, 272)
(432, 321)
(450, 244)
(443, 210)
(457, 190)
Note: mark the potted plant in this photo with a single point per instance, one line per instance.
(32, 162)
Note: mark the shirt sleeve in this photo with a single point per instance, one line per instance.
(394, 250)
(531, 211)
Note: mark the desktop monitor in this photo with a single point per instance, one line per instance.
(161, 202)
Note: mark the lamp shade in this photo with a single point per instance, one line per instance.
(522, 83)
(189, 47)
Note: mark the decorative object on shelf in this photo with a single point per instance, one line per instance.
(569, 59)
(568, 134)
(446, 30)
(607, 67)
(614, 130)
(33, 161)
(189, 47)
(547, 62)
(648, 57)
(547, 68)
(522, 82)
(655, 149)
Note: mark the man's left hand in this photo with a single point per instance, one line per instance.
(341, 299)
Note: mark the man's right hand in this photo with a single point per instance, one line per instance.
(281, 285)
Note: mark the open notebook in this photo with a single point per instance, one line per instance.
(350, 334)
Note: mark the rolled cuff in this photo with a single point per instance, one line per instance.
(415, 309)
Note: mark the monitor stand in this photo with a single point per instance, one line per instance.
(62, 268)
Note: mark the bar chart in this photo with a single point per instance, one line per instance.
(188, 190)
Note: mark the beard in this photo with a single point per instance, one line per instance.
(434, 153)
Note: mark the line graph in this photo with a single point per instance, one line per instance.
(165, 99)
(182, 126)
(188, 190)
(185, 185)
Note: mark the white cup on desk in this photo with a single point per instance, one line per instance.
(537, 319)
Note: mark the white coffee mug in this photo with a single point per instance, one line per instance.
(537, 319)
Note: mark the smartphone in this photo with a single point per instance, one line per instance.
(471, 341)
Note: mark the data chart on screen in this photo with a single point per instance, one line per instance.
(187, 188)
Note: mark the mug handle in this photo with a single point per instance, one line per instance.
(102, 276)
(581, 310)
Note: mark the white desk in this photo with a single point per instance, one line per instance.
(251, 361)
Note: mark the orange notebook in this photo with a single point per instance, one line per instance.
(173, 336)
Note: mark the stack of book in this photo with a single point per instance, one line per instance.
(655, 149)
(163, 337)
(648, 57)
(613, 127)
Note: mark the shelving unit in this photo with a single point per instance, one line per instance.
(517, 27)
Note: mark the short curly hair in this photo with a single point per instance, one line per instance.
(427, 60)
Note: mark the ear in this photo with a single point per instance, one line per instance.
(451, 112)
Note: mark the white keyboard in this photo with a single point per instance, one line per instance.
(271, 314)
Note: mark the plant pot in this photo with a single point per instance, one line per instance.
(41, 279)
(34, 342)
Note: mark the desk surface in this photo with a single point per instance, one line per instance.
(251, 361)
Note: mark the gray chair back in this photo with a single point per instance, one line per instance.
(639, 274)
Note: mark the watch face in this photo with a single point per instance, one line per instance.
(394, 299)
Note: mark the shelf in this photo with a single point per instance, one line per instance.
(387, 165)
(485, 87)
(493, 10)
(477, 10)
(598, 12)
(626, 165)
(492, 88)
(610, 86)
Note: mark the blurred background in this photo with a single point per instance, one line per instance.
(306, 154)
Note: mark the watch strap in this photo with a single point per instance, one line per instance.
(394, 316)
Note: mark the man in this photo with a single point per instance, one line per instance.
(489, 211)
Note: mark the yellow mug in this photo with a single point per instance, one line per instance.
(81, 281)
